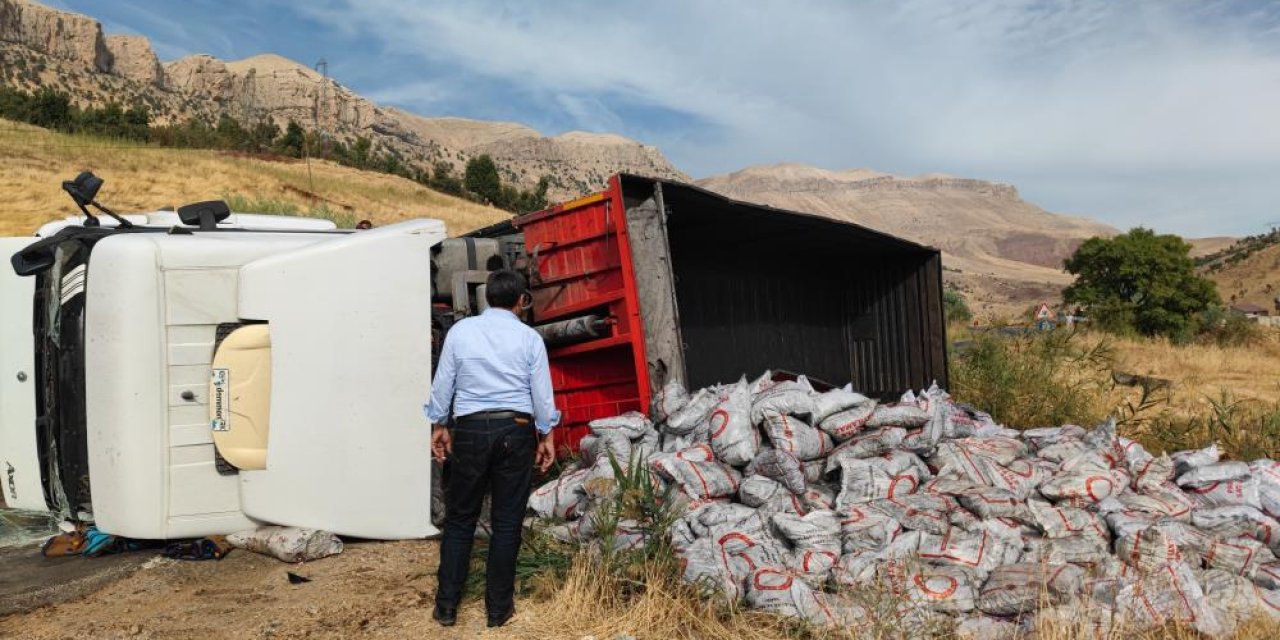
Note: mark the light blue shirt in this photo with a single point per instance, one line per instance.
(492, 362)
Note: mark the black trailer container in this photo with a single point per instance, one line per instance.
(705, 289)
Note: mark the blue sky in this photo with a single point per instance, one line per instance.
(1161, 113)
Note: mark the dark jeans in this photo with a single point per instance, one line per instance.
(493, 457)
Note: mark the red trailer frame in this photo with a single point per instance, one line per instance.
(584, 243)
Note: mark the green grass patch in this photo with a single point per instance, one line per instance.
(244, 204)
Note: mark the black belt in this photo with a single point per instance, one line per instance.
(494, 415)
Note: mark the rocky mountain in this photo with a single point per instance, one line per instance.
(42, 46)
(1005, 252)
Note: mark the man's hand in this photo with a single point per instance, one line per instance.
(546, 452)
(441, 443)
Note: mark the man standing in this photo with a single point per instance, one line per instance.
(494, 379)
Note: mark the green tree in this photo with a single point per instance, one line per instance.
(481, 178)
(262, 137)
(15, 104)
(197, 134)
(230, 134)
(359, 156)
(1139, 281)
(137, 123)
(536, 200)
(442, 179)
(390, 163)
(291, 142)
(51, 109)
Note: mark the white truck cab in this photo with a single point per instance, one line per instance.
(134, 356)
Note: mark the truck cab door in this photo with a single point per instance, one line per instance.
(19, 453)
(348, 328)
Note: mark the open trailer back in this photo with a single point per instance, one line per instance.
(669, 280)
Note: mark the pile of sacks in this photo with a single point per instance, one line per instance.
(819, 504)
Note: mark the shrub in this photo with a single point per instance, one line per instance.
(955, 307)
(1034, 379)
(1227, 328)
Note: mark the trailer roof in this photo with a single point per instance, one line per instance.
(760, 213)
(820, 229)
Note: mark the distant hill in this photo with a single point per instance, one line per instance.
(1201, 247)
(1004, 252)
(44, 47)
(1247, 271)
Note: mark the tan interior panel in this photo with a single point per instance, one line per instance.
(240, 397)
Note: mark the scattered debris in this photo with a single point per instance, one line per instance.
(1150, 383)
(290, 544)
(797, 501)
(295, 578)
(210, 548)
(86, 540)
(18, 528)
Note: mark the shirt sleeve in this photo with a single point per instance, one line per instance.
(545, 415)
(437, 410)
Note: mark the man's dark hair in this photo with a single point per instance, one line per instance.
(504, 288)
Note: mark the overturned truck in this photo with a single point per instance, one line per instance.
(182, 374)
(199, 372)
(653, 280)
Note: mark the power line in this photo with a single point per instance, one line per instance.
(322, 67)
(315, 123)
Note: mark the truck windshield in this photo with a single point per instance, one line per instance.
(59, 356)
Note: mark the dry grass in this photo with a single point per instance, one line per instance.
(1229, 395)
(592, 601)
(1200, 372)
(590, 604)
(143, 178)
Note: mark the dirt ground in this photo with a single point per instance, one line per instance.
(372, 589)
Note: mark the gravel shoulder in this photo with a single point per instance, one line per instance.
(372, 589)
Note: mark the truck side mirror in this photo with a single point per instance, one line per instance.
(84, 189)
(205, 214)
(32, 260)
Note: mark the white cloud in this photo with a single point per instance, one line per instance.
(417, 95)
(1158, 112)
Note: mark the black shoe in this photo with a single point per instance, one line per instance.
(446, 616)
(498, 621)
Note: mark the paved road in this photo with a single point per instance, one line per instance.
(29, 580)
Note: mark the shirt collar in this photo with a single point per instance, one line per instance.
(499, 312)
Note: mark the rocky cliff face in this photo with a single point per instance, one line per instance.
(132, 58)
(283, 90)
(201, 76)
(73, 55)
(60, 34)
